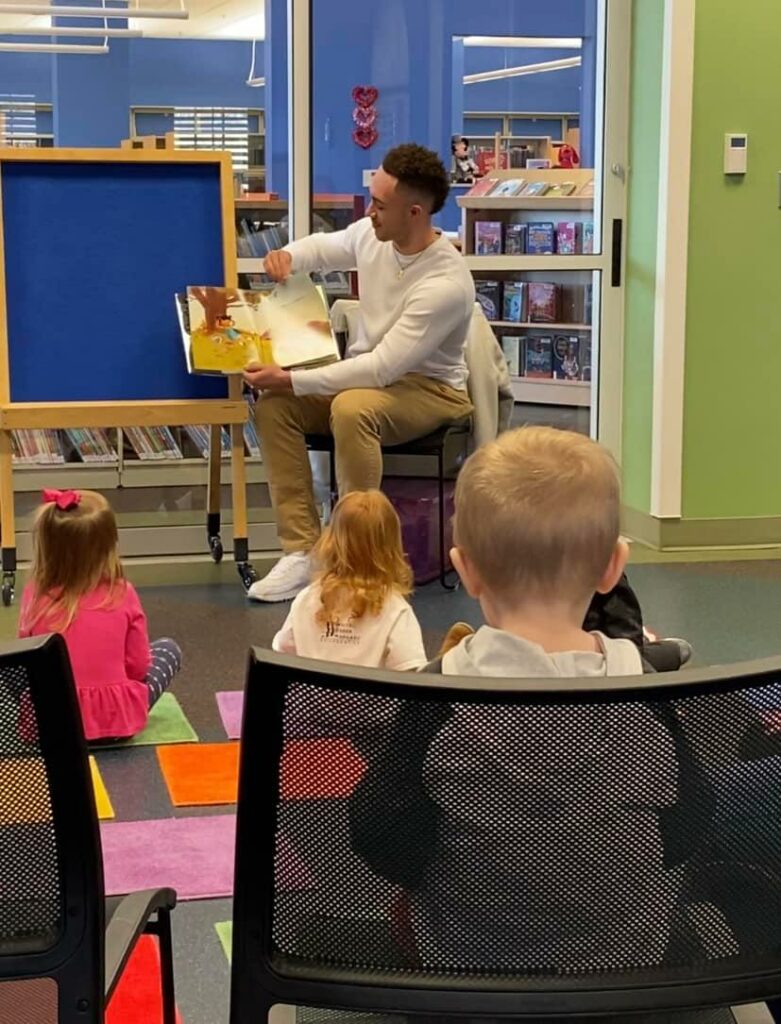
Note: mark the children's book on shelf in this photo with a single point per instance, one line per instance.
(560, 189)
(35, 446)
(513, 305)
(540, 238)
(141, 443)
(569, 237)
(199, 437)
(515, 239)
(511, 346)
(535, 189)
(225, 329)
(482, 187)
(588, 236)
(508, 187)
(566, 357)
(489, 295)
(250, 432)
(538, 357)
(488, 238)
(587, 190)
(542, 302)
(91, 444)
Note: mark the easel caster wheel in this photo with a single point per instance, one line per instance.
(215, 546)
(247, 573)
(8, 593)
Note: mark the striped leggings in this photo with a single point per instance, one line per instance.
(166, 662)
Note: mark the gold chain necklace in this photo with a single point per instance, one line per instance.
(405, 266)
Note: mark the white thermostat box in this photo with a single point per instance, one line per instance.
(735, 153)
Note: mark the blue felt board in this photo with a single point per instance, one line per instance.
(94, 254)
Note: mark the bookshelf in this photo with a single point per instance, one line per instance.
(521, 292)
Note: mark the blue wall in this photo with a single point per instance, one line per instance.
(553, 91)
(193, 72)
(136, 72)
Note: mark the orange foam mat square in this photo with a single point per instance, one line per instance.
(200, 774)
(203, 774)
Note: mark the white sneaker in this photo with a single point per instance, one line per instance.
(288, 577)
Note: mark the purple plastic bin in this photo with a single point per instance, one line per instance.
(417, 502)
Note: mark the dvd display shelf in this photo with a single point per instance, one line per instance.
(539, 302)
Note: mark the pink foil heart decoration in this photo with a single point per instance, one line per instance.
(365, 117)
(365, 95)
(365, 137)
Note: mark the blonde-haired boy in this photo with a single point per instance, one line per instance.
(536, 535)
(521, 834)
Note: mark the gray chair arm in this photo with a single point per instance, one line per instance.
(127, 924)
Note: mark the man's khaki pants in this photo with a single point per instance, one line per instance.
(361, 421)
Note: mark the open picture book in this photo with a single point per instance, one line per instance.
(224, 329)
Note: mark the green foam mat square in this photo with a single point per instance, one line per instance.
(224, 931)
(167, 723)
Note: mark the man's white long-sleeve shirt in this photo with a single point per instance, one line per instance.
(413, 322)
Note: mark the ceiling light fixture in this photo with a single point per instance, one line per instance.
(51, 48)
(61, 30)
(527, 42)
(523, 69)
(94, 12)
(252, 79)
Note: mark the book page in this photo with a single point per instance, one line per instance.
(294, 324)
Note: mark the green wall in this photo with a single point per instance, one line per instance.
(732, 417)
(645, 111)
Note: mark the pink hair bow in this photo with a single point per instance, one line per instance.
(64, 500)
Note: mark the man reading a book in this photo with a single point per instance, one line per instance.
(404, 373)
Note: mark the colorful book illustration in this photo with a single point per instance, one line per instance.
(224, 329)
(535, 188)
(542, 302)
(540, 238)
(588, 236)
(566, 357)
(511, 347)
(515, 239)
(569, 237)
(513, 301)
(488, 238)
(489, 295)
(481, 187)
(538, 360)
(508, 187)
(563, 188)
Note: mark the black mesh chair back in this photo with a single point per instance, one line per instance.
(51, 921)
(431, 844)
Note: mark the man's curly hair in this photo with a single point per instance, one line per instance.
(421, 170)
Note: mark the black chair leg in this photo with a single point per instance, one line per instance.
(166, 966)
(332, 477)
(443, 570)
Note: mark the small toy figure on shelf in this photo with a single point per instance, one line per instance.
(464, 170)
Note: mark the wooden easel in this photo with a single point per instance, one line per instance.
(55, 179)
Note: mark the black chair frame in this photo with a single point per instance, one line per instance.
(262, 978)
(96, 936)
